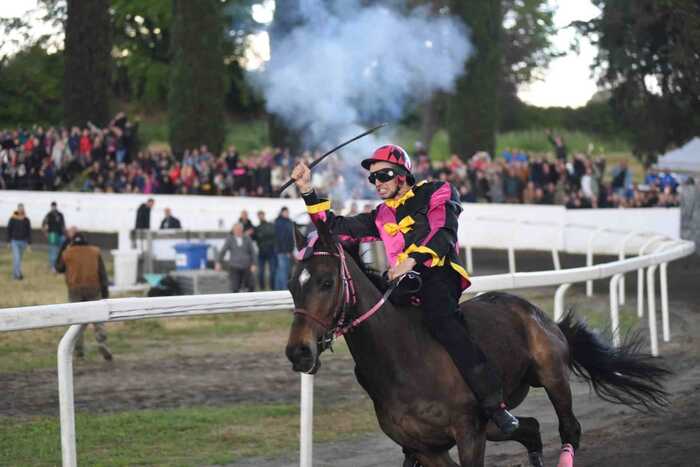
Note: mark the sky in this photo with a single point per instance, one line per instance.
(567, 81)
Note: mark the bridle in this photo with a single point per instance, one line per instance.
(341, 324)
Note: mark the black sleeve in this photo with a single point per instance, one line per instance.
(360, 227)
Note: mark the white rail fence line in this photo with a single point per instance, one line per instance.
(78, 315)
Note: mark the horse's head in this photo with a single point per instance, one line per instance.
(319, 287)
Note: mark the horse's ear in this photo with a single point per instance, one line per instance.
(299, 239)
(324, 235)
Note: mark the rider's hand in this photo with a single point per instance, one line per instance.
(302, 177)
(402, 268)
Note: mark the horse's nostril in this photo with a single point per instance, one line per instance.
(300, 352)
(304, 351)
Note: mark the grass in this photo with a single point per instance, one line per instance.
(247, 136)
(193, 435)
(179, 437)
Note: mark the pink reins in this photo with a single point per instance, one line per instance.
(349, 299)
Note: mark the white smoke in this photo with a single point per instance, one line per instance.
(348, 67)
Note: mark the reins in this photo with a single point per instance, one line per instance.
(349, 299)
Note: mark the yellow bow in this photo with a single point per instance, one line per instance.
(395, 203)
(404, 226)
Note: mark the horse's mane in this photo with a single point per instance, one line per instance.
(372, 274)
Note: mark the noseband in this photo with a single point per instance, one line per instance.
(339, 326)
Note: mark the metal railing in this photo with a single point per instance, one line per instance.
(78, 315)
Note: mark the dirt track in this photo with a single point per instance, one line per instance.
(612, 435)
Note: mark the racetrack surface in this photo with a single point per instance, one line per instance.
(612, 435)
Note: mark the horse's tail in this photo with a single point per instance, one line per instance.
(622, 375)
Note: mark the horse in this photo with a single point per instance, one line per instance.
(420, 399)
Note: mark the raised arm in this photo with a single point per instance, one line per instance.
(359, 228)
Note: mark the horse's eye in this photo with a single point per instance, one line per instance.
(326, 283)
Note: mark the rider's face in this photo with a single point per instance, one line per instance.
(385, 190)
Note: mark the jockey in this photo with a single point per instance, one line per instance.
(417, 224)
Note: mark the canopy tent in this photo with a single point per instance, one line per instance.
(683, 159)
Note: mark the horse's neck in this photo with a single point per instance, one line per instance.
(385, 343)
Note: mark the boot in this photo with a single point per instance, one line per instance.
(504, 420)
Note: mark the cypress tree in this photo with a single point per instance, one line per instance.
(197, 86)
(473, 110)
(87, 64)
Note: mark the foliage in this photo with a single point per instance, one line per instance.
(87, 63)
(528, 28)
(30, 88)
(649, 54)
(473, 110)
(594, 117)
(196, 92)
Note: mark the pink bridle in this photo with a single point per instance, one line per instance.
(349, 299)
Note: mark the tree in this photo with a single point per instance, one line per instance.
(30, 88)
(196, 94)
(473, 109)
(87, 72)
(528, 28)
(649, 52)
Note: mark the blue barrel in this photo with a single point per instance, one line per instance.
(190, 256)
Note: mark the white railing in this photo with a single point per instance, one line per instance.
(78, 315)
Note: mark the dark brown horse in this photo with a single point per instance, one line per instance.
(420, 398)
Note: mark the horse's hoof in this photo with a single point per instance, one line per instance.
(410, 461)
(536, 459)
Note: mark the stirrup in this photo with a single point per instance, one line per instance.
(504, 420)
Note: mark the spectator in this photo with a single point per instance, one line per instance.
(169, 221)
(241, 259)
(54, 227)
(558, 143)
(264, 236)
(86, 278)
(284, 246)
(19, 238)
(244, 220)
(143, 214)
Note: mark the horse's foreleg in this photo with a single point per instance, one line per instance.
(527, 434)
(471, 445)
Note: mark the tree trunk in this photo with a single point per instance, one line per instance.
(87, 64)
(197, 87)
(473, 109)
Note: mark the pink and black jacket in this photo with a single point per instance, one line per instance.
(422, 224)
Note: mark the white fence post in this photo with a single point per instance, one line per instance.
(559, 301)
(621, 256)
(664, 302)
(307, 421)
(555, 259)
(589, 258)
(614, 309)
(651, 296)
(65, 394)
(640, 274)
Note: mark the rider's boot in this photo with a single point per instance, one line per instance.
(504, 420)
(485, 383)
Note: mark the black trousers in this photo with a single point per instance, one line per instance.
(440, 300)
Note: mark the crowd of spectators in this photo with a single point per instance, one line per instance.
(108, 161)
(48, 159)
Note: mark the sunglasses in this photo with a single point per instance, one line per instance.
(383, 175)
